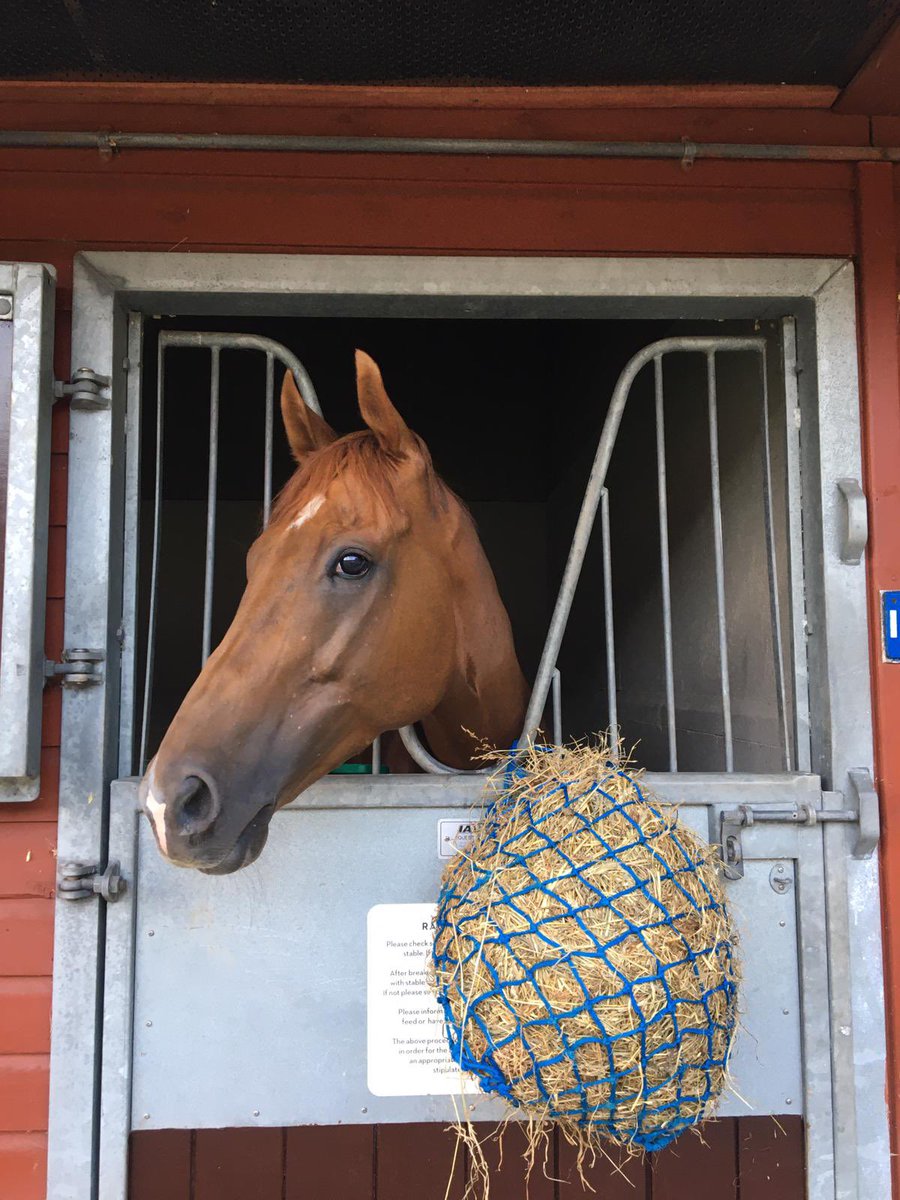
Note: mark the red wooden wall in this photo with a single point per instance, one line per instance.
(56, 202)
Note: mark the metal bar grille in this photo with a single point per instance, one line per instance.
(547, 683)
(215, 343)
(719, 547)
(596, 495)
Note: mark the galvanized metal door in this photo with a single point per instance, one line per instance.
(170, 928)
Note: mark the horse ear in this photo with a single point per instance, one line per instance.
(393, 434)
(306, 430)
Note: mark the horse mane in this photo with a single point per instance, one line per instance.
(362, 455)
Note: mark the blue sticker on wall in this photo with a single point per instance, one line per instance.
(890, 613)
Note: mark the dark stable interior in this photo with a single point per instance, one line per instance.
(512, 410)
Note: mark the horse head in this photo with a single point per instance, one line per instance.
(369, 605)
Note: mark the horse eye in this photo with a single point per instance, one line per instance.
(352, 564)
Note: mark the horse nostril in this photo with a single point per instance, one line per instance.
(194, 807)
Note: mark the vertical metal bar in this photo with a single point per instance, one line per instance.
(796, 567)
(608, 622)
(719, 545)
(131, 547)
(665, 575)
(774, 598)
(154, 559)
(376, 756)
(556, 692)
(211, 503)
(267, 467)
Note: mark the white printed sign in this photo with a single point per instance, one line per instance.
(407, 1047)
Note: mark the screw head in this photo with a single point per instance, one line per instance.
(256, 1112)
(150, 932)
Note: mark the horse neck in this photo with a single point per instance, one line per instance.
(486, 694)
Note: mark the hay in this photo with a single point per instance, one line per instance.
(584, 957)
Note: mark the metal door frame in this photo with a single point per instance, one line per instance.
(818, 293)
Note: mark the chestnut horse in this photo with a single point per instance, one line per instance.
(369, 605)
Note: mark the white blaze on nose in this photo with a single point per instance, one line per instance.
(308, 511)
(157, 810)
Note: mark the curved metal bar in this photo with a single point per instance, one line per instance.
(428, 762)
(247, 341)
(596, 483)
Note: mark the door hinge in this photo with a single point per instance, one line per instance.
(81, 881)
(79, 668)
(88, 390)
(862, 812)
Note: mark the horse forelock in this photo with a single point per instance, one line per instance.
(359, 459)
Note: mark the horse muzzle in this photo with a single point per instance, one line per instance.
(193, 829)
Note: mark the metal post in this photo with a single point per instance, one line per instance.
(212, 487)
(719, 547)
(665, 576)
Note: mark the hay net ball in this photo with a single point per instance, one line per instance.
(583, 955)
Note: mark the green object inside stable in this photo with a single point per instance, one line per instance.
(357, 769)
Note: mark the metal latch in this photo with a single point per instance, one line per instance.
(80, 881)
(863, 813)
(855, 529)
(88, 390)
(79, 668)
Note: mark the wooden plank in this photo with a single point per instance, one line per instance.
(24, 1089)
(880, 380)
(26, 937)
(771, 1158)
(420, 1160)
(23, 1166)
(25, 1016)
(367, 96)
(435, 216)
(786, 124)
(701, 1170)
(237, 1164)
(310, 169)
(333, 1161)
(59, 488)
(159, 1165)
(27, 858)
(53, 630)
(613, 1175)
(875, 88)
(509, 1176)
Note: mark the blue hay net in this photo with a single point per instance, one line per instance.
(667, 1107)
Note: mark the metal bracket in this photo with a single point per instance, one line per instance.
(89, 391)
(79, 668)
(855, 530)
(863, 812)
(868, 813)
(6, 306)
(81, 881)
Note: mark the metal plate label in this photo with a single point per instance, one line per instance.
(407, 1047)
(454, 835)
(890, 608)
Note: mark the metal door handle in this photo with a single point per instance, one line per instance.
(855, 529)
